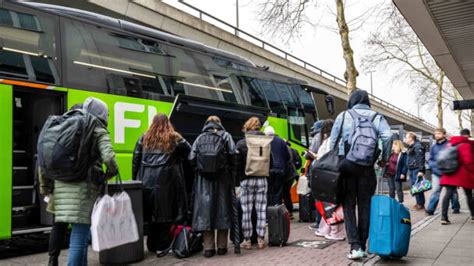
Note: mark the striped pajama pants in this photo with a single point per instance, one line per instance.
(254, 192)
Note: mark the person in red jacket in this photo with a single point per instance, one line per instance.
(463, 177)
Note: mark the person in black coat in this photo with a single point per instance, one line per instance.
(157, 162)
(279, 169)
(416, 166)
(213, 192)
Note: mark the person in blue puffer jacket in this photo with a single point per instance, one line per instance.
(440, 144)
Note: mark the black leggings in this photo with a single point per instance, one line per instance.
(447, 197)
(56, 239)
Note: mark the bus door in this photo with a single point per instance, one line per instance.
(31, 108)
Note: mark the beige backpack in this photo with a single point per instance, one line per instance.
(258, 155)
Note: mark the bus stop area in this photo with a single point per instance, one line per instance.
(431, 244)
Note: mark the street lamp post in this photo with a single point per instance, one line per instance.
(237, 17)
(371, 81)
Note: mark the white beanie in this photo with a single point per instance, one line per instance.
(269, 131)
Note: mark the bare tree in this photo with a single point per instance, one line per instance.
(351, 73)
(397, 47)
(287, 17)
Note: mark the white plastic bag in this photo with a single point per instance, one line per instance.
(113, 222)
(302, 187)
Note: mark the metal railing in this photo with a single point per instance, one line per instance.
(292, 58)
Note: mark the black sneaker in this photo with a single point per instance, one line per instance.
(456, 211)
(162, 253)
(53, 261)
(429, 213)
(209, 253)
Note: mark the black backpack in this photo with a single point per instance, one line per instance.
(448, 160)
(65, 145)
(187, 243)
(211, 153)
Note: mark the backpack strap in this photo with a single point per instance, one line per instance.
(372, 119)
(339, 135)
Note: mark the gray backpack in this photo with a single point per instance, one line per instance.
(363, 140)
(448, 161)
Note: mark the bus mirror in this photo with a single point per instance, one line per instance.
(330, 104)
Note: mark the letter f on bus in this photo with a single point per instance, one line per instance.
(121, 122)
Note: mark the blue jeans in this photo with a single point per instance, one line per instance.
(455, 201)
(78, 244)
(420, 198)
(434, 200)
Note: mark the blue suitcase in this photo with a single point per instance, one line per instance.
(390, 227)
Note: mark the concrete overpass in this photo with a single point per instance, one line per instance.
(162, 16)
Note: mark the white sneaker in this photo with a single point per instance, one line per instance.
(314, 226)
(356, 254)
(317, 233)
(330, 237)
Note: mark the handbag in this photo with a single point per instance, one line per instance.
(326, 179)
(113, 222)
(421, 185)
(331, 213)
(303, 188)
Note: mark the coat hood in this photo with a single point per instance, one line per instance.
(358, 97)
(211, 125)
(97, 108)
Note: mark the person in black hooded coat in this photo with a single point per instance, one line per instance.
(157, 162)
(212, 206)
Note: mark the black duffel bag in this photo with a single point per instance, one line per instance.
(187, 243)
(326, 181)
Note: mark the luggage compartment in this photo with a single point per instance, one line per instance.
(31, 108)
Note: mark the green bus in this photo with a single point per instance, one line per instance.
(52, 57)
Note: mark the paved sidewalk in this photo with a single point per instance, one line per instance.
(438, 244)
(289, 255)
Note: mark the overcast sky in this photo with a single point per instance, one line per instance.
(320, 45)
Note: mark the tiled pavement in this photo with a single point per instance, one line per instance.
(332, 255)
(440, 244)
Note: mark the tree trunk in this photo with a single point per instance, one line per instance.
(350, 75)
(439, 99)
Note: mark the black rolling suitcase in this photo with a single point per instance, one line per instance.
(278, 225)
(307, 210)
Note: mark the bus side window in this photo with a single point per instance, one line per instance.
(286, 95)
(251, 92)
(223, 83)
(131, 65)
(28, 45)
(273, 98)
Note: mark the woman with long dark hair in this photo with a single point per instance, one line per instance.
(157, 162)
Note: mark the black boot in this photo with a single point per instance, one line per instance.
(53, 261)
